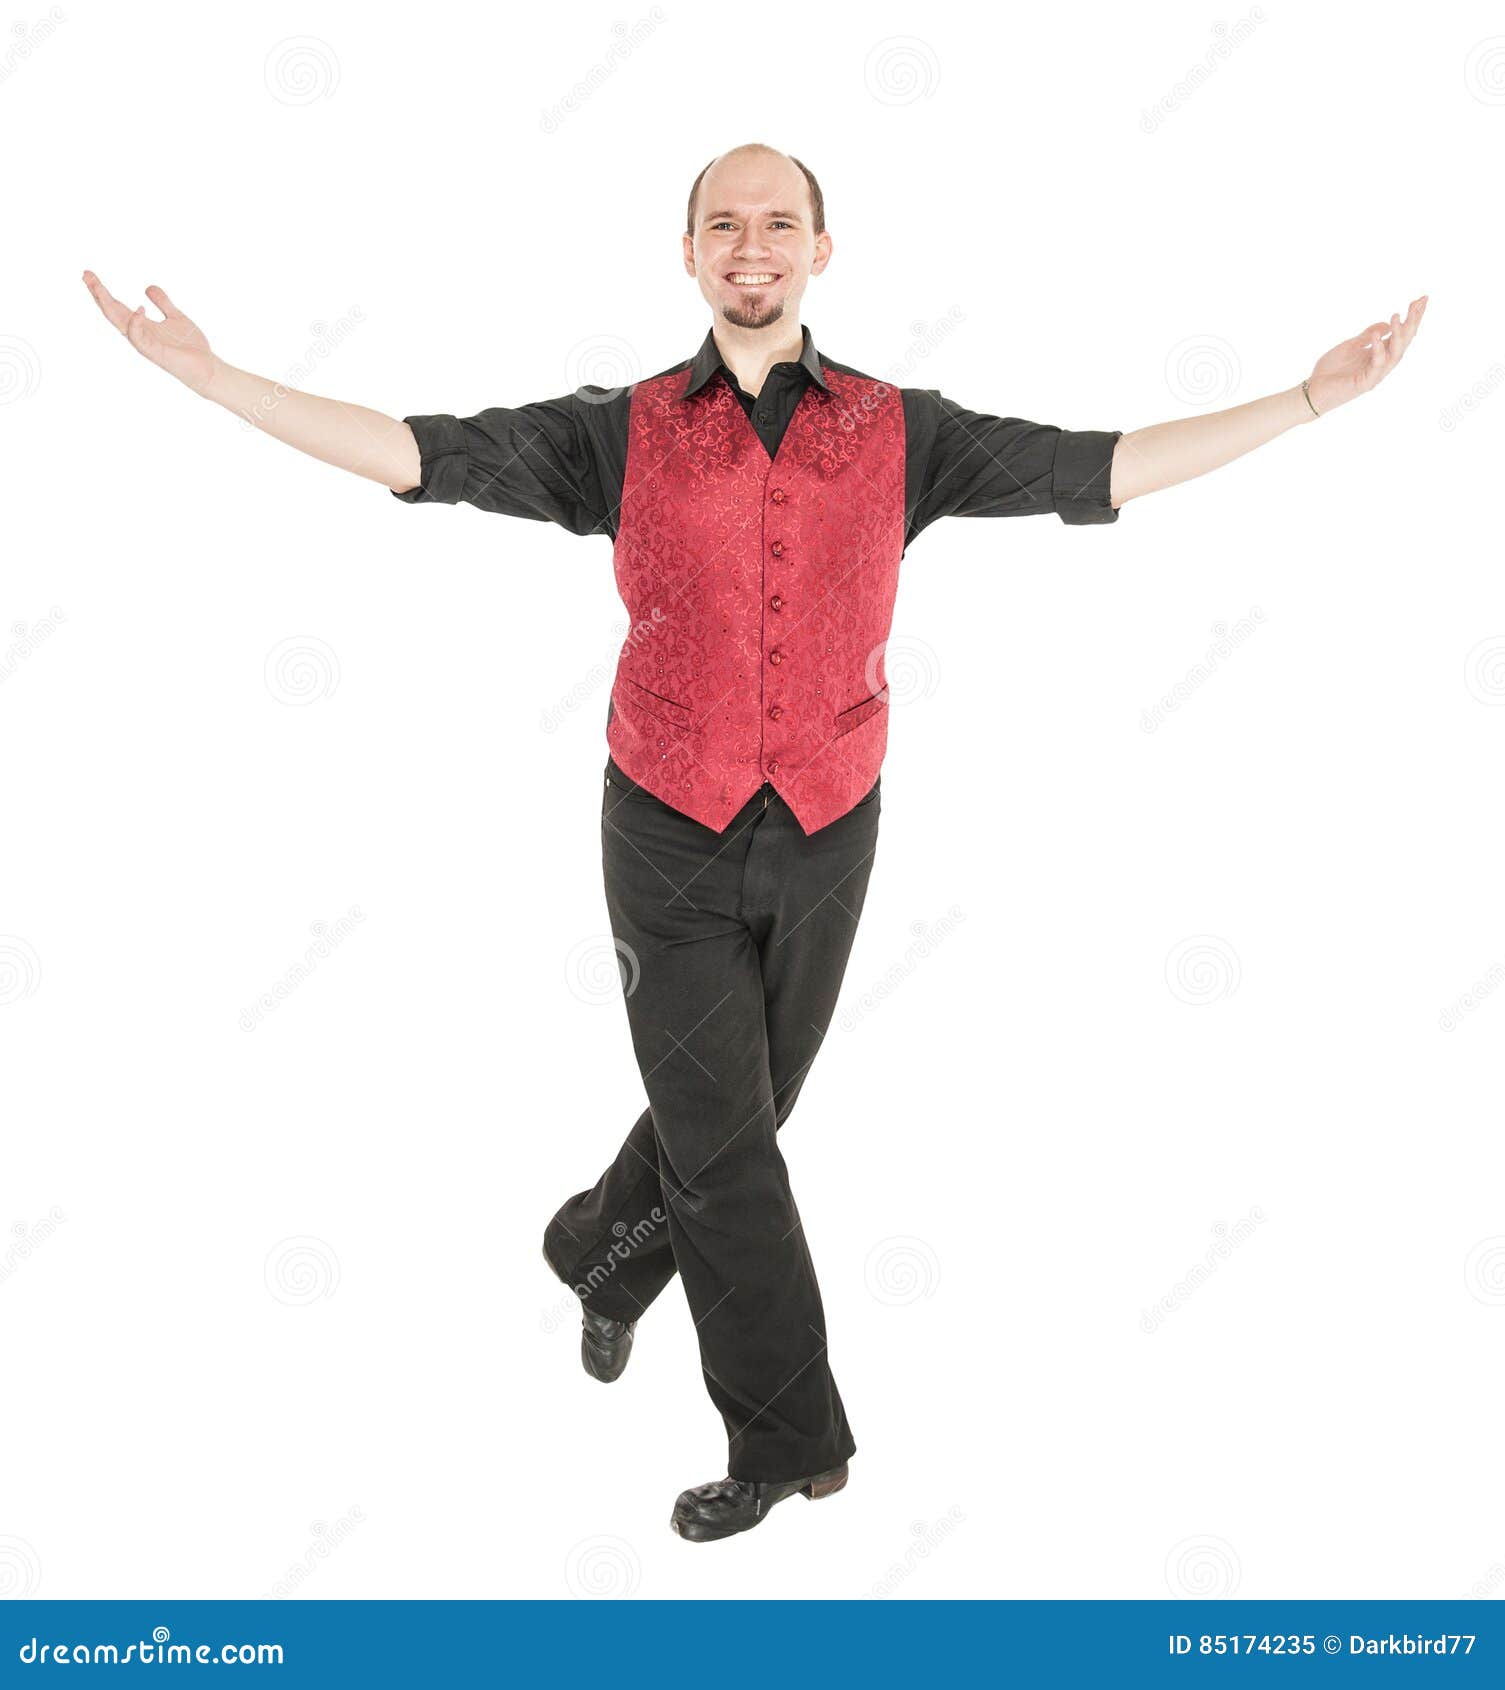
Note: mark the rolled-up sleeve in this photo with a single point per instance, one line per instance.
(442, 457)
(532, 461)
(1081, 477)
(983, 465)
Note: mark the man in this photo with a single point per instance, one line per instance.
(759, 496)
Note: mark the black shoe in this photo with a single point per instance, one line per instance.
(604, 1344)
(727, 1506)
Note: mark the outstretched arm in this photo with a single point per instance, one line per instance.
(350, 437)
(1151, 458)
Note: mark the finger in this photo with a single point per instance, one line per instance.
(159, 298)
(1407, 328)
(136, 326)
(117, 313)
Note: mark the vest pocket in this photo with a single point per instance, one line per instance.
(654, 703)
(849, 719)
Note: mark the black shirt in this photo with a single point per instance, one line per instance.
(564, 460)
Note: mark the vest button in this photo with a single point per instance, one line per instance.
(773, 765)
(775, 711)
(776, 603)
(777, 495)
(775, 656)
(777, 548)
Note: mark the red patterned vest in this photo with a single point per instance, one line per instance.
(759, 594)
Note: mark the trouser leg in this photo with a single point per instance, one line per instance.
(611, 1244)
(734, 946)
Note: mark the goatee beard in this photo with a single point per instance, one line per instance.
(751, 316)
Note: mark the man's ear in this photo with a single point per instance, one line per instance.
(689, 254)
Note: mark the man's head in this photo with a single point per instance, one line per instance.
(755, 213)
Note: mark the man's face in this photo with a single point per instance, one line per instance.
(754, 247)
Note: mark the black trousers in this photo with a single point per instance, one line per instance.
(732, 948)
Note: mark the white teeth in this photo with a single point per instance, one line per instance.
(752, 276)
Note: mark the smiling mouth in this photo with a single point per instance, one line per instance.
(752, 278)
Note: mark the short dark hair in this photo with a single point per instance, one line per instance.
(817, 199)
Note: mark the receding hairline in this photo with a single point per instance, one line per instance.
(815, 215)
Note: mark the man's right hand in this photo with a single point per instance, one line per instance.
(176, 344)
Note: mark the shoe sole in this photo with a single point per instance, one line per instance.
(695, 1531)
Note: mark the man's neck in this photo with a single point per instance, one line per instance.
(751, 353)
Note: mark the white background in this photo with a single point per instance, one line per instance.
(1021, 1135)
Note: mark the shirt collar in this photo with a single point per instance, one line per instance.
(708, 361)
